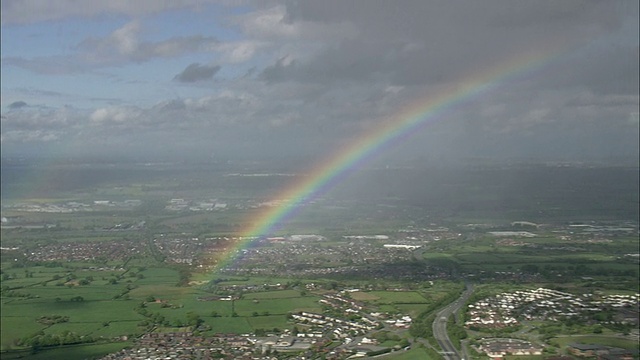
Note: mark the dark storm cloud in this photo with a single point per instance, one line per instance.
(610, 70)
(196, 72)
(423, 42)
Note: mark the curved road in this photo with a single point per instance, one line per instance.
(440, 326)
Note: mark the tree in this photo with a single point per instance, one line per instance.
(194, 319)
(597, 329)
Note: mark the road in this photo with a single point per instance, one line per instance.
(449, 352)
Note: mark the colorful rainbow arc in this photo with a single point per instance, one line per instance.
(406, 122)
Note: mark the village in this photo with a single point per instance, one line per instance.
(345, 333)
(509, 309)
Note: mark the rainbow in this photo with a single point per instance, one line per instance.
(404, 123)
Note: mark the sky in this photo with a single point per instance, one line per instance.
(198, 79)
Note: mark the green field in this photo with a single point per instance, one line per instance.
(74, 352)
(277, 306)
(281, 294)
(237, 325)
(614, 341)
(269, 322)
(412, 354)
(398, 297)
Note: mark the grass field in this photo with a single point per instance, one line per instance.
(281, 294)
(524, 357)
(75, 352)
(117, 328)
(99, 315)
(363, 296)
(614, 341)
(19, 315)
(231, 325)
(16, 327)
(398, 297)
(276, 306)
(269, 322)
(411, 309)
(412, 354)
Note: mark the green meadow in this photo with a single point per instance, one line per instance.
(612, 340)
(277, 306)
(69, 352)
(106, 309)
(398, 297)
(280, 294)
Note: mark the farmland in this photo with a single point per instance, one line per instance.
(98, 281)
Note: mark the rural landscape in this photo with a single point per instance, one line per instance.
(320, 180)
(130, 263)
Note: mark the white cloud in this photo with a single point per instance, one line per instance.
(116, 115)
(269, 23)
(239, 51)
(124, 44)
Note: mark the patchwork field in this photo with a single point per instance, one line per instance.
(130, 294)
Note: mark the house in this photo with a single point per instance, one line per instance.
(587, 350)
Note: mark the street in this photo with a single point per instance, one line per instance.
(449, 352)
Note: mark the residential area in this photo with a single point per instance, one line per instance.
(509, 309)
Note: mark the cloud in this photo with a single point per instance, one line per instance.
(30, 11)
(275, 22)
(124, 116)
(422, 42)
(124, 44)
(196, 72)
(21, 136)
(282, 70)
(239, 51)
(50, 65)
(17, 105)
(120, 47)
(309, 75)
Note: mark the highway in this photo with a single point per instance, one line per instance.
(449, 352)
